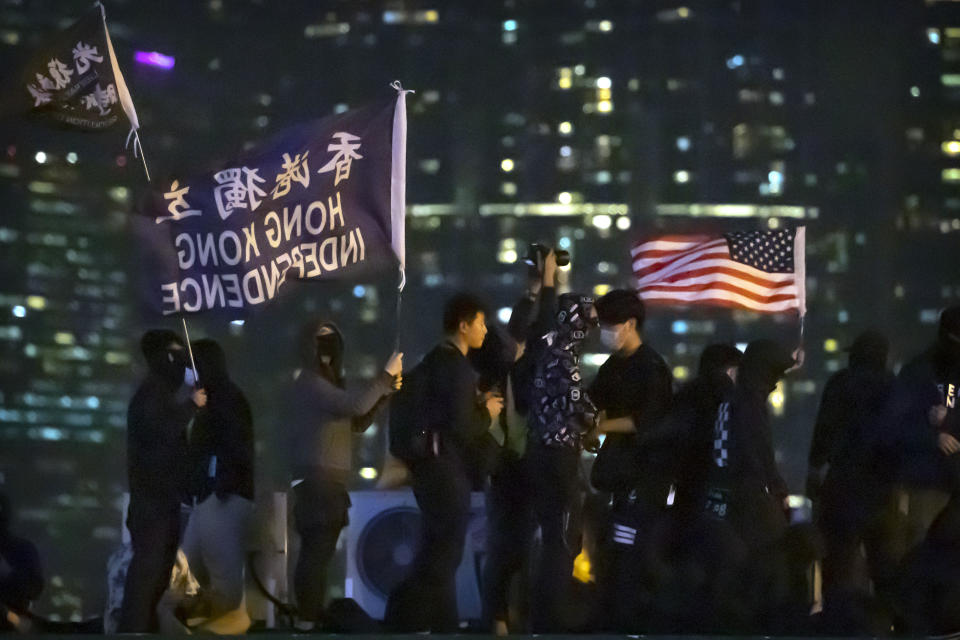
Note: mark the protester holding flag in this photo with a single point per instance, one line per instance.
(222, 461)
(321, 417)
(160, 412)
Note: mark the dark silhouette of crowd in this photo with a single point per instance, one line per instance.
(625, 503)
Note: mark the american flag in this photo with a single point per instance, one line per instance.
(758, 270)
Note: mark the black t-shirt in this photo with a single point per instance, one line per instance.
(637, 386)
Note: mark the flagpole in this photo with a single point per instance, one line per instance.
(193, 364)
(123, 93)
(398, 192)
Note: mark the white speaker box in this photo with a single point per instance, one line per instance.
(381, 544)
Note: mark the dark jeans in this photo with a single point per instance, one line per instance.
(320, 512)
(510, 530)
(154, 534)
(556, 501)
(427, 598)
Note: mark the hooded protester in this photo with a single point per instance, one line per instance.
(322, 417)
(221, 454)
(160, 413)
(560, 415)
(21, 577)
(744, 506)
(744, 464)
(694, 409)
(924, 426)
(844, 452)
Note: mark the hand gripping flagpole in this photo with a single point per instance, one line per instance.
(398, 193)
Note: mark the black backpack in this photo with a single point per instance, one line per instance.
(410, 434)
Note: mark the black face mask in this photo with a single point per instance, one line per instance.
(173, 365)
(330, 356)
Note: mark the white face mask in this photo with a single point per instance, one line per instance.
(610, 339)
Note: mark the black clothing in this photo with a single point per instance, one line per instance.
(155, 536)
(25, 580)
(427, 598)
(510, 531)
(320, 511)
(637, 386)
(221, 440)
(744, 485)
(157, 442)
(853, 501)
(555, 482)
(692, 420)
(157, 470)
(930, 379)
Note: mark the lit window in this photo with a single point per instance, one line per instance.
(508, 188)
(565, 128)
(623, 223)
(683, 143)
(933, 35)
(951, 147)
(605, 25)
(604, 82)
(776, 98)
(605, 106)
(830, 345)
(564, 197)
(506, 165)
(735, 61)
(72, 158)
(778, 74)
(950, 175)
(601, 222)
(950, 79)
(681, 177)
(509, 25)
(41, 157)
(915, 91)
(566, 151)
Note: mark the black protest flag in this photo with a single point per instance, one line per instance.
(320, 201)
(74, 80)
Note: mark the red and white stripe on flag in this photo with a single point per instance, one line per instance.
(758, 270)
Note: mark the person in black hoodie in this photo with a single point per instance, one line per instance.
(924, 425)
(457, 418)
(221, 455)
(745, 502)
(157, 467)
(853, 497)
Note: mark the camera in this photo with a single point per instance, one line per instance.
(537, 253)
